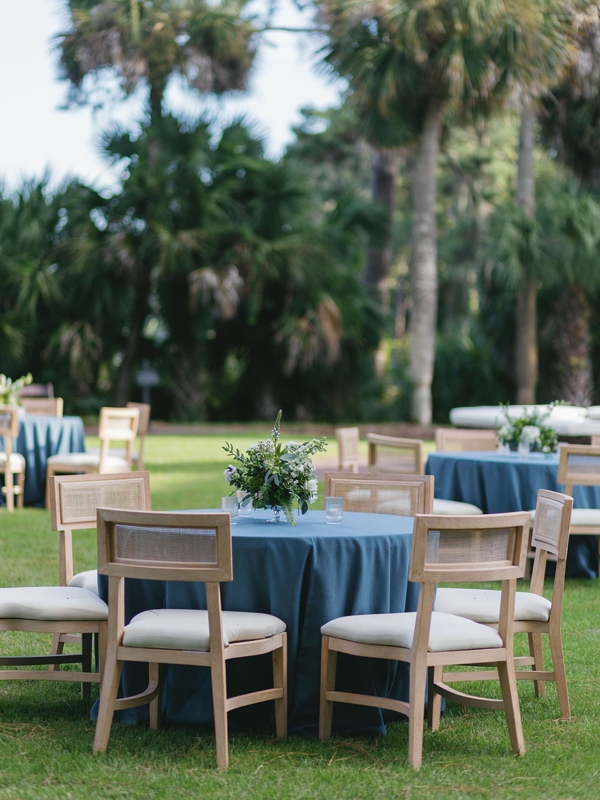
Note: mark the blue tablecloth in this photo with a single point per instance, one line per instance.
(498, 482)
(39, 438)
(306, 575)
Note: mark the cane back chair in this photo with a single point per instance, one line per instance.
(579, 465)
(465, 439)
(43, 406)
(404, 495)
(348, 441)
(181, 547)
(455, 549)
(391, 454)
(11, 463)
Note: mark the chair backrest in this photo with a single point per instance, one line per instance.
(595, 442)
(578, 465)
(44, 406)
(392, 454)
(348, 441)
(478, 548)
(551, 535)
(37, 390)
(74, 500)
(165, 545)
(9, 425)
(144, 422)
(465, 439)
(404, 495)
(117, 425)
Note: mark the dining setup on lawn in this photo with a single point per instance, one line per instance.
(270, 616)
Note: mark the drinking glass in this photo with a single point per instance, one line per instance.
(334, 507)
(244, 509)
(230, 504)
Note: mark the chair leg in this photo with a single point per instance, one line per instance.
(108, 697)
(9, 489)
(280, 682)
(416, 715)
(154, 674)
(558, 664)
(535, 650)
(328, 668)
(434, 700)
(86, 661)
(219, 691)
(49, 476)
(21, 485)
(510, 698)
(57, 648)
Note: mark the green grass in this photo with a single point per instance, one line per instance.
(46, 735)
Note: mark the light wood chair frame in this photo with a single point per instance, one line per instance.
(106, 434)
(37, 390)
(423, 483)
(43, 406)
(376, 440)
(425, 666)
(348, 440)
(10, 432)
(212, 575)
(534, 629)
(142, 431)
(467, 438)
(571, 478)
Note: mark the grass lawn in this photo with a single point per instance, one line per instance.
(46, 734)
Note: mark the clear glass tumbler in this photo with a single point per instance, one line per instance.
(334, 507)
(230, 504)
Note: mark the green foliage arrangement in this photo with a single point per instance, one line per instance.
(9, 389)
(530, 429)
(275, 474)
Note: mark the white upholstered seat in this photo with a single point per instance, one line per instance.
(452, 507)
(187, 629)
(581, 517)
(111, 463)
(482, 605)
(17, 462)
(86, 580)
(62, 603)
(447, 633)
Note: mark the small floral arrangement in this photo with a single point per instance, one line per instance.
(275, 474)
(9, 389)
(529, 429)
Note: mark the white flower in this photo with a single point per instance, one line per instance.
(229, 472)
(312, 485)
(530, 434)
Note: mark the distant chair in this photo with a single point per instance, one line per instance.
(404, 495)
(43, 406)
(465, 439)
(392, 454)
(11, 463)
(37, 390)
(348, 440)
(144, 424)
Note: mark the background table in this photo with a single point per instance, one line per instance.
(498, 482)
(306, 575)
(41, 437)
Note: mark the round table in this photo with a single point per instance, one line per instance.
(499, 482)
(306, 575)
(39, 438)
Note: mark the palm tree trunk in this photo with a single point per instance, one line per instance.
(526, 356)
(572, 342)
(379, 259)
(138, 316)
(424, 278)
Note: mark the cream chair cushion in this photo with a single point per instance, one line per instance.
(111, 463)
(588, 517)
(17, 462)
(51, 603)
(187, 629)
(114, 451)
(483, 605)
(454, 507)
(86, 580)
(447, 632)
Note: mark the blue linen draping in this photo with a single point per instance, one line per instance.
(306, 575)
(39, 438)
(499, 482)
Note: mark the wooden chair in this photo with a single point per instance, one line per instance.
(11, 463)
(181, 547)
(44, 406)
(458, 549)
(116, 424)
(37, 390)
(143, 426)
(392, 454)
(348, 441)
(404, 495)
(534, 614)
(579, 465)
(465, 439)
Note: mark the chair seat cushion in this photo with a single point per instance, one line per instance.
(187, 629)
(447, 632)
(86, 580)
(111, 463)
(114, 451)
(452, 507)
(51, 603)
(17, 462)
(588, 517)
(483, 605)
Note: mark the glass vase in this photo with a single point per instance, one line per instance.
(278, 515)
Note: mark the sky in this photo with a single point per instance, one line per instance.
(37, 133)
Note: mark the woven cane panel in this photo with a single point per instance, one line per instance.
(79, 501)
(546, 531)
(5, 421)
(469, 547)
(395, 459)
(374, 498)
(583, 465)
(166, 545)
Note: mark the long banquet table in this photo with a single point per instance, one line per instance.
(306, 575)
(498, 482)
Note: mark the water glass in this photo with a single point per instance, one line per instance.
(334, 507)
(230, 505)
(524, 449)
(244, 508)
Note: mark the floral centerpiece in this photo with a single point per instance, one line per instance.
(529, 429)
(10, 389)
(275, 475)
